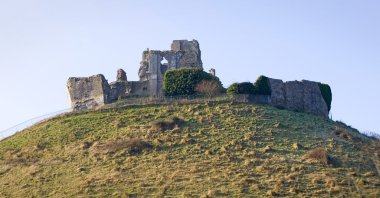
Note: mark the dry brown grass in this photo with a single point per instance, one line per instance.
(197, 159)
(268, 149)
(297, 146)
(133, 145)
(165, 125)
(319, 155)
(343, 134)
(20, 161)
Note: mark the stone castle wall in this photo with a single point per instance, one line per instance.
(89, 92)
(303, 96)
(94, 91)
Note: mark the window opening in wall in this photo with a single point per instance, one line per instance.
(164, 61)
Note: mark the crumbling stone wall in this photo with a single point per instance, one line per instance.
(303, 96)
(89, 92)
(212, 72)
(278, 96)
(121, 87)
(94, 91)
(140, 88)
(191, 57)
(183, 54)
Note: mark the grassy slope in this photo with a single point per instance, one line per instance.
(219, 150)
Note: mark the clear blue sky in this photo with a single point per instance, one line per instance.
(43, 43)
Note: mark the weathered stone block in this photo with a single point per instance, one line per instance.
(302, 96)
(88, 92)
(192, 53)
(119, 89)
(313, 99)
(278, 92)
(140, 88)
(294, 95)
(121, 75)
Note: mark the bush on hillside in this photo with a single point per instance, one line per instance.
(209, 88)
(241, 88)
(341, 133)
(262, 86)
(319, 155)
(182, 82)
(165, 125)
(326, 94)
(233, 89)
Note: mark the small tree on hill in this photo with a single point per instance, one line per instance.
(209, 88)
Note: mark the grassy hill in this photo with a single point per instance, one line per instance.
(220, 149)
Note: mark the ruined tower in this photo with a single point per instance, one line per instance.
(183, 54)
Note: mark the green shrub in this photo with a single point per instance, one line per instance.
(326, 94)
(241, 88)
(233, 89)
(262, 86)
(179, 82)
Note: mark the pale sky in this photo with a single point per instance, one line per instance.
(44, 42)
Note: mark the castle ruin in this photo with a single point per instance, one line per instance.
(95, 91)
(302, 96)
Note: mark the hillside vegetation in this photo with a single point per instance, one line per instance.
(208, 149)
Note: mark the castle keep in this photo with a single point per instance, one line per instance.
(94, 91)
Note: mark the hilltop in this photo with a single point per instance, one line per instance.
(205, 148)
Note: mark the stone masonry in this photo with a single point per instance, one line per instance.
(94, 91)
(303, 96)
(183, 54)
(88, 93)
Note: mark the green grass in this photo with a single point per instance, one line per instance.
(222, 149)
